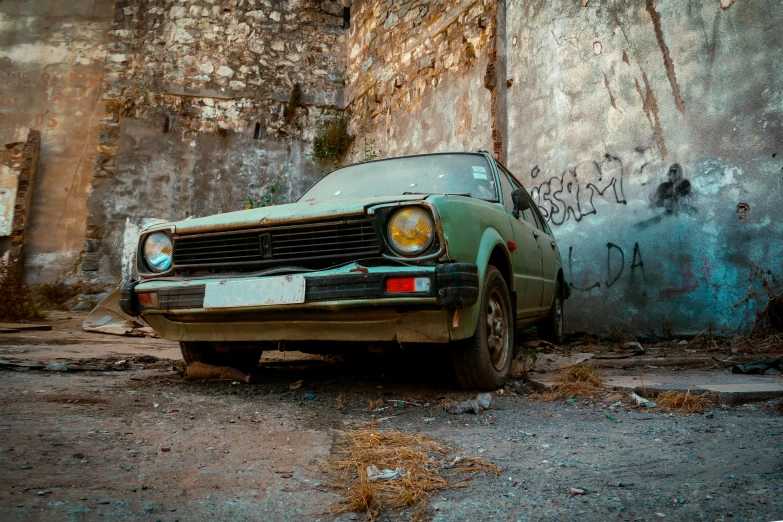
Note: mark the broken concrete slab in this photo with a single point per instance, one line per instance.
(731, 388)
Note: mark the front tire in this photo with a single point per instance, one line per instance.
(551, 328)
(484, 360)
(242, 356)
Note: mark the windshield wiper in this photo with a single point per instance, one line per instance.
(433, 193)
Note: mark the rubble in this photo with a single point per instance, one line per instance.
(481, 402)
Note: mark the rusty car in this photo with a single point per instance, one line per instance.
(446, 249)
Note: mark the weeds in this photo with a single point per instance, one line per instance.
(332, 141)
(272, 194)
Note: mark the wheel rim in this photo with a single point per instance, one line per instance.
(497, 331)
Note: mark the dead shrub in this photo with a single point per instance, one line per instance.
(417, 457)
(685, 402)
(53, 296)
(578, 381)
(17, 302)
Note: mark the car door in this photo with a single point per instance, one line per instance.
(526, 258)
(549, 256)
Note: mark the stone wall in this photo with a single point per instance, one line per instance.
(51, 68)
(18, 166)
(651, 135)
(206, 102)
(419, 75)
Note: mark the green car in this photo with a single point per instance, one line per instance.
(437, 248)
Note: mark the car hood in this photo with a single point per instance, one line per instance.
(288, 213)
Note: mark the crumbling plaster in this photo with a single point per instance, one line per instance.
(640, 129)
(51, 68)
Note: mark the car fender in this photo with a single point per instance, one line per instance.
(468, 317)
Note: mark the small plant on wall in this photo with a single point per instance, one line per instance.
(332, 141)
(273, 194)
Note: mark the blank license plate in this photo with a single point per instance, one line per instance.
(258, 292)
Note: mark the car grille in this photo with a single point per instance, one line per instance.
(274, 246)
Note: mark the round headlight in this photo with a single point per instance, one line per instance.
(157, 251)
(411, 231)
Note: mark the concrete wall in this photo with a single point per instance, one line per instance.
(51, 68)
(416, 76)
(651, 135)
(205, 104)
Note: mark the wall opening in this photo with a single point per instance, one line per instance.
(346, 17)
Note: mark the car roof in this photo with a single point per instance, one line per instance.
(482, 153)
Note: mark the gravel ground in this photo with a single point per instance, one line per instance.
(146, 443)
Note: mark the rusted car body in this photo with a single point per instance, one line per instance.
(440, 248)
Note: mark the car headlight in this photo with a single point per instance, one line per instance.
(411, 230)
(158, 251)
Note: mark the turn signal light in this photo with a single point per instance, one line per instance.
(148, 299)
(407, 285)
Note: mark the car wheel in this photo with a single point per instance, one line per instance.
(242, 356)
(484, 360)
(551, 328)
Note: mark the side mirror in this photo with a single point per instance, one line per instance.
(520, 202)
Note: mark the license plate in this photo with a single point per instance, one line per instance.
(258, 292)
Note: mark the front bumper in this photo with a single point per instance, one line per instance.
(350, 303)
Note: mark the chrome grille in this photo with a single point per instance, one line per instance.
(246, 249)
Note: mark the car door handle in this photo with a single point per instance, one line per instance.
(535, 234)
(553, 243)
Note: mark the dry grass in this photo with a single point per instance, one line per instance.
(686, 402)
(578, 381)
(421, 458)
(374, 404)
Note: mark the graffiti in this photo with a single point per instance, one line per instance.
(673, 195)
(571, 194)
(609, 247)
(614, 269)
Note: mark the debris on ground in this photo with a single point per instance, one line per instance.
(56, 367)
(374, 474)
(641, 401)
(203, 371)
(481, 402)
(578, 491)
(108, 318)
(578, 381)
(760, 366)
(777, 406)
(296, 385)
(358, 455)
(686, 402)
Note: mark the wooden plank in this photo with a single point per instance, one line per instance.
(23, 326)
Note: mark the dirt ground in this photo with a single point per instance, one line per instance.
(123, 435)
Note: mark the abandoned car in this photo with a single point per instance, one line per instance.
(441, 248)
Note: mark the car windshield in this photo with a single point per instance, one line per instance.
(459, 173)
